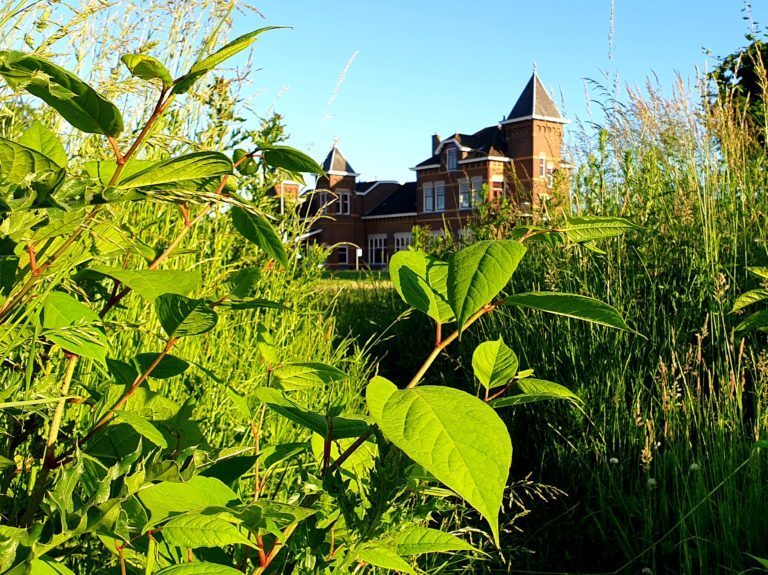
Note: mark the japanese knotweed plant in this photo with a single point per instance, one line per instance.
(116, 476)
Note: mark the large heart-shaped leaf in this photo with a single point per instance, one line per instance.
(149, 284)
(76, 101)
(290, 159)
(74, 327)
(342, 427)
(416, 540)
(478, 273)
(535, 390)
(181, 316)
(455, 436)
(39, 137)
(187, 172)
(571, 305)
(260, 232)
(196, 530)
(18, 162)
(147, 68)
(292, 376)
(587, 229)
(494, 363)
(166, 499)
(422, 282)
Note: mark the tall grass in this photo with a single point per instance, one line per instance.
(658, 465)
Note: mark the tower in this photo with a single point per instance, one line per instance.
(534, 134)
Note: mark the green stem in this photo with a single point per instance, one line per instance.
(49, 458)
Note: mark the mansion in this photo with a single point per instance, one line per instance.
(516, 157)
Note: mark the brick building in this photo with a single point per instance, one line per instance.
(517, 157)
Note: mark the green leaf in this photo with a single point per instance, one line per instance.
(494, 363)
(147, 68)
(759, 272)
(592, 228)
(18, 162)
(453, 435)
(191, 172)
(255, 303)
(143, 427)
(478, 273)
(534, 390)
(292, 376)
(181, 316)
(265, 345)
(343, 427)
(74, 327)
(241, 403)
(422, 282)
(246, 166)
(39, 137)
(571, 305)
(44, 566)
(105, 169)
(76, 101)
(758, 320)
(378, 555)
(240, 284)
(169, 366)
(149, 284)
(195, 530)
(259, 231)
(751, 297)
(290, 160)
(166, 499)
(417, 540)
(199, 569)
(235, 46)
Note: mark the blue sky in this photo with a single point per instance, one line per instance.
(418, 67)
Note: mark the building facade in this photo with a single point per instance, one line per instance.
(366, 222)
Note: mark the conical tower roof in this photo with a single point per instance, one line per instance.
(535, 103)
(336, 164)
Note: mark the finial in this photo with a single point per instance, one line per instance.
(336, 141)
(534, 68)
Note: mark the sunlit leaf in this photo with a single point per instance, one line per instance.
(593, 228)
(571, 305)
(259, 231)
(494, 363)
(422, 282)
(181, 316)
(147, 68)
(39, 137)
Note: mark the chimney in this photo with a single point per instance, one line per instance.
(435, 142)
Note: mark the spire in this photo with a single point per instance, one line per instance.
(336, 164)
(535, 103)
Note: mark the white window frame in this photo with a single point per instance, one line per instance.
(477, 188)
(402, 241)
(322, 199)
(465, 196)
(377, 242)
(542, 166)
(342, 250)
(439, 196)
(452, 159)
(344, 202)
(429, 197)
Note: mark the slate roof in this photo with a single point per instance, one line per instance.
(534, 101)
(336, 162)
(489, 141)
(401, 201)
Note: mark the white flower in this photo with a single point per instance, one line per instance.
(695, 466)
(613, 460)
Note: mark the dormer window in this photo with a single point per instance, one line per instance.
(344, 202)
(452, 159)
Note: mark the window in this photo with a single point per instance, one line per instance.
(452, 158)
(377, 249)
(499, 189)
(322, 202)
(344, 202)
(429, 198)
(464, 200)
(342, 255)
(542, 166)
(439, 196)
(477, 189)
(402, 241)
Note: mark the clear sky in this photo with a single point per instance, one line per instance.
(382, 77)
